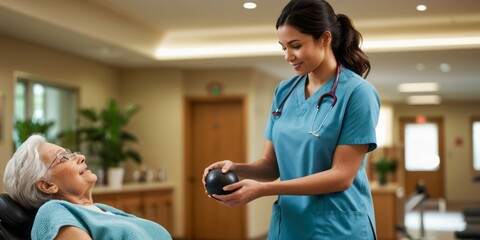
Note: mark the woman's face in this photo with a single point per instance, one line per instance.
(303, 52)
(67, 171)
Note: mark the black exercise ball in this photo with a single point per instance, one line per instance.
(216, 180)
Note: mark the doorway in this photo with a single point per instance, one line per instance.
(215, 130)
(424, 157)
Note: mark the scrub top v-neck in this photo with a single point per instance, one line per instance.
(341, 215)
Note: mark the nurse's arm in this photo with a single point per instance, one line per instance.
(264, 169)
(346, 163)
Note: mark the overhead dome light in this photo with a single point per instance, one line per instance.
(423, 100)
(418, 87)
(444, 67)
(420, 67)
(421, 8)
(250, 5)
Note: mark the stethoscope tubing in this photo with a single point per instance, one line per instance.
(331, 93)
(278, 111)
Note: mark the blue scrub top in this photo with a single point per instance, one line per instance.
(341, 215)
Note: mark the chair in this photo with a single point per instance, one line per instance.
(471, 232)
(416, 200)
(15, 221)
(472, 218)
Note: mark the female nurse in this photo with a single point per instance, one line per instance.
(321, 128)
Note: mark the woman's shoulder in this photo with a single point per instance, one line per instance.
(55, 204)
(53, 211)
(352, 80)
(352, 76)
(357, 89)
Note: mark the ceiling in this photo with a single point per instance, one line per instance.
(195, 34)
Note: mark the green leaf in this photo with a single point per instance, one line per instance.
(106, 137)
(89, 114)
(384, 165)
(25, 128)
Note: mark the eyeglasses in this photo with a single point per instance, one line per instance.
(62, 157)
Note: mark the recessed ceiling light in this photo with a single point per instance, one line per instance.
(418, 87)
(424, 99)
(421, 8)
(444, 67)
(420, 67)
(250, 5)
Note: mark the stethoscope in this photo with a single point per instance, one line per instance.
(330, 94)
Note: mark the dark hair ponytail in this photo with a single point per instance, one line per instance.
(348, 51)
(314, 17)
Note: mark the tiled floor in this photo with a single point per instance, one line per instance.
(437, 225)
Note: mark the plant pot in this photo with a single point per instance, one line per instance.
(382, 178)
(115, 177)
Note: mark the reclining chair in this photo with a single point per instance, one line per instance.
(472, 218)
(15, 221)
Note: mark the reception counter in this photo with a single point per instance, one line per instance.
(389, 209)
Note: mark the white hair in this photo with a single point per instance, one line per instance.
(23, 171)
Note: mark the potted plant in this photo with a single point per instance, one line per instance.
(106, 138)
(383, 166)
(25, 128)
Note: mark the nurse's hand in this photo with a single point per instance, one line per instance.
(247, 191)
(225, 165)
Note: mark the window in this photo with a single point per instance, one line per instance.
(384, 127)
(476, 143)
(421, 147)
(43, 103)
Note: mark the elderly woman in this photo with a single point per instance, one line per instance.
(58, 182)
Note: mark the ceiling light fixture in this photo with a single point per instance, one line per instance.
(421, 8)
(174, 51)
(249, 5)
(420, 67)
(423, 99)
(444, 67)
(420, 43)
(418, 87)
(233, 50)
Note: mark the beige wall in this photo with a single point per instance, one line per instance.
(159, 126)
(459, 187)
(95, 81)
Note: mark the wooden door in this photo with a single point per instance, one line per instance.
(215, 131)
(433, 179)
